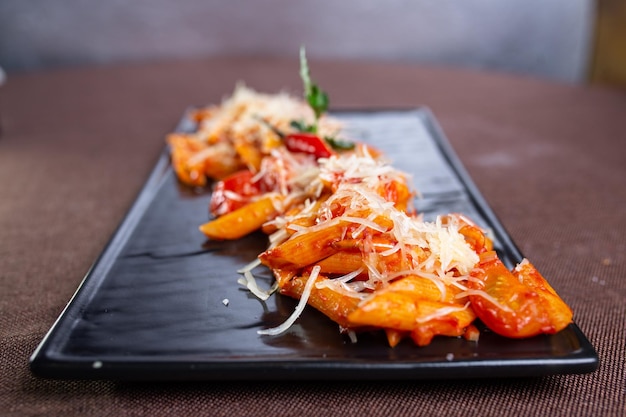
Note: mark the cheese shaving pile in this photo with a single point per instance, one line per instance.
(436, 251)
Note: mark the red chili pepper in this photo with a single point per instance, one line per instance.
(233, 192)
(308, 143)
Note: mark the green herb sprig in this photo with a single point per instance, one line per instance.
(318, 101)
(315, 96)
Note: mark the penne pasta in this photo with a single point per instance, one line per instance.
(242, 221)
(340, 263)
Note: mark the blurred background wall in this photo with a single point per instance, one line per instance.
(546, 38)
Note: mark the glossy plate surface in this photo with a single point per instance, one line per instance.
(152, 307)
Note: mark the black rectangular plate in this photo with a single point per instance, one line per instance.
(151, 307)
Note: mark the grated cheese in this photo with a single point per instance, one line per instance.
(441, 312)
(250, 283)
(483, 294)
(306, 293)
(250, 266)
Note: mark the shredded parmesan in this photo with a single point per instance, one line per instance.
(250, 283)
(441, 312)
(483, 294)
(250, 266)
(308, 287)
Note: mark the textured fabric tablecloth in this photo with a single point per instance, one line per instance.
(77, 145)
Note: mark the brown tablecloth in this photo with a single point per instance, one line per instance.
(77, 146)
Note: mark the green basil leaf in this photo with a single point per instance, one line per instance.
(301, 126)
(318, 100)
(339, 144)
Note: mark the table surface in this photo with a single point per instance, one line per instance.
(77, 145)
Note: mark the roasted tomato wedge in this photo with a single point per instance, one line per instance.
(234, 192)
(518, 303)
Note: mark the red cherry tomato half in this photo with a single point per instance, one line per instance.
(234, 192)
(308, 143)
